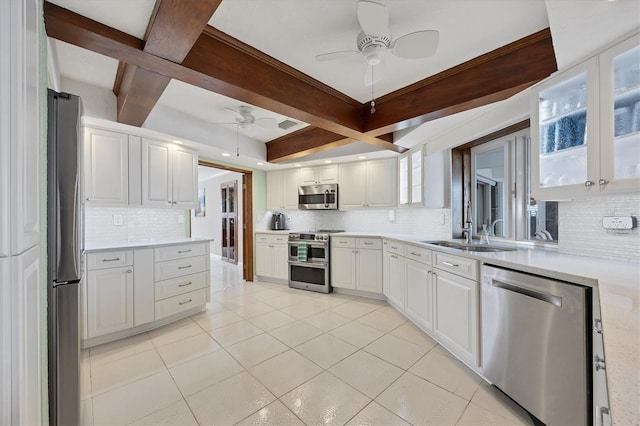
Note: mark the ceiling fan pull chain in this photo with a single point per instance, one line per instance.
(373, 99)
(238, 141)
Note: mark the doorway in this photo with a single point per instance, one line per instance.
(244, 219)
(229, 218)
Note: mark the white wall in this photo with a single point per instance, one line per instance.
(96, 101)
(210, 226)
(139, 224)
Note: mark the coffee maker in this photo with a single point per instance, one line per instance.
(278, 222)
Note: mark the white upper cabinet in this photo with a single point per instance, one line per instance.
(368, 184)
(169, 175)
(105, 167)
(318, 175)
(282, 190)
(586, 126)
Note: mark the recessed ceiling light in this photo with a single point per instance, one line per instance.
(226, 154)
(260, 163)
(327, 161)
(362, 157)
(298, 165)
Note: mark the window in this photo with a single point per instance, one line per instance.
(410, 168)
(493, 173)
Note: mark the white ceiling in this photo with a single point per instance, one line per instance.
(294, 31)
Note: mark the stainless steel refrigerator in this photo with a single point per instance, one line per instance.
(63, 247)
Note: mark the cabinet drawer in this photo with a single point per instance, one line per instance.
(180, 251)
(348, 242)
(182, 302)
(464, 267)
(180, 285)
(180, 267)
(264, 238)
(369, 243)
(395, 247)
(280, 238)
(418, 254)
(109, 259)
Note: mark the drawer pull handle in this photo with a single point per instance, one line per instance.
(394, 247)
(184, 267)
(115, 259)
(184, 251)
(185, 302)
(394, 256)
(130, 271)
(416, 254)
(185, 284)
(454, 265)
(368, 244)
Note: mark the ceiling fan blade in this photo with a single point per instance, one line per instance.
(417, 45)
(332, 56)
(373, 18)
(267, 123)
(374, 74)
(234, 112)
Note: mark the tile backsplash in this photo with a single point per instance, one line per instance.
(580, 227)
(430, 223)
(137, 224)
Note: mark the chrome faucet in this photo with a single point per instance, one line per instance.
(468, 229)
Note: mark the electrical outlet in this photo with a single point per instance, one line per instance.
(619, 222)
(181, 218)
(118, 220)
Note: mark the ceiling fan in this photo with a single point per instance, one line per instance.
(245, 120)
(375, 39)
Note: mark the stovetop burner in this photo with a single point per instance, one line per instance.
(319, 235)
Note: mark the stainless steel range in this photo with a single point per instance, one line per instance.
(309, 260)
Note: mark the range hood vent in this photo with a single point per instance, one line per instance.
(287, 124)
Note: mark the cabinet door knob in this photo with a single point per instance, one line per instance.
(168, 202)
(603, 182)
(129, 271)
(589, 183)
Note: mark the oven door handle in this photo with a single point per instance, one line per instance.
(317, 265)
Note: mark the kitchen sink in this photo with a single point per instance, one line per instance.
(469, 247)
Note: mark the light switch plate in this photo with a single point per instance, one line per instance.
(619, 222)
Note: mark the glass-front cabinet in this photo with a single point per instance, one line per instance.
(583, 134)
(410, 178)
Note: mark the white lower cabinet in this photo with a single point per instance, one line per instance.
(126, 292)
(419, 304)
(356, 264)
(109, 300)
(456, 311)
(272, 256)
(396, 286)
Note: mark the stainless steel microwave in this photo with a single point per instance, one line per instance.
(318, 197)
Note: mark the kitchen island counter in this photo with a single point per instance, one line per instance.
(94, 247)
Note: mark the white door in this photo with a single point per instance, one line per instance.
(184, 168)
(105, 167)
(419, 290)
(455, 319)
(381, 179)
(327, 174)
(353, 184)
(369, 264)
(280, 261)
(156, 173)
(109, 300)
(307, 176)
(5, 341)
(342, 267)
(275, 187)
(397, 281)
(290, 189)
(264, 260)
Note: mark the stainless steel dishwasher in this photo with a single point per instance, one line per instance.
(536, 344)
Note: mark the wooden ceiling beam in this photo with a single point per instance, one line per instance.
(171, 32)
(488, 78)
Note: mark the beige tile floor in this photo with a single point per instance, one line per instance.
(264, 354)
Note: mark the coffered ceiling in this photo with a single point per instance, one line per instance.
(262, 53)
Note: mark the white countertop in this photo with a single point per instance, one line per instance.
(131, 244)
(618, 285)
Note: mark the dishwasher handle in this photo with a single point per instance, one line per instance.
(549, 298)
